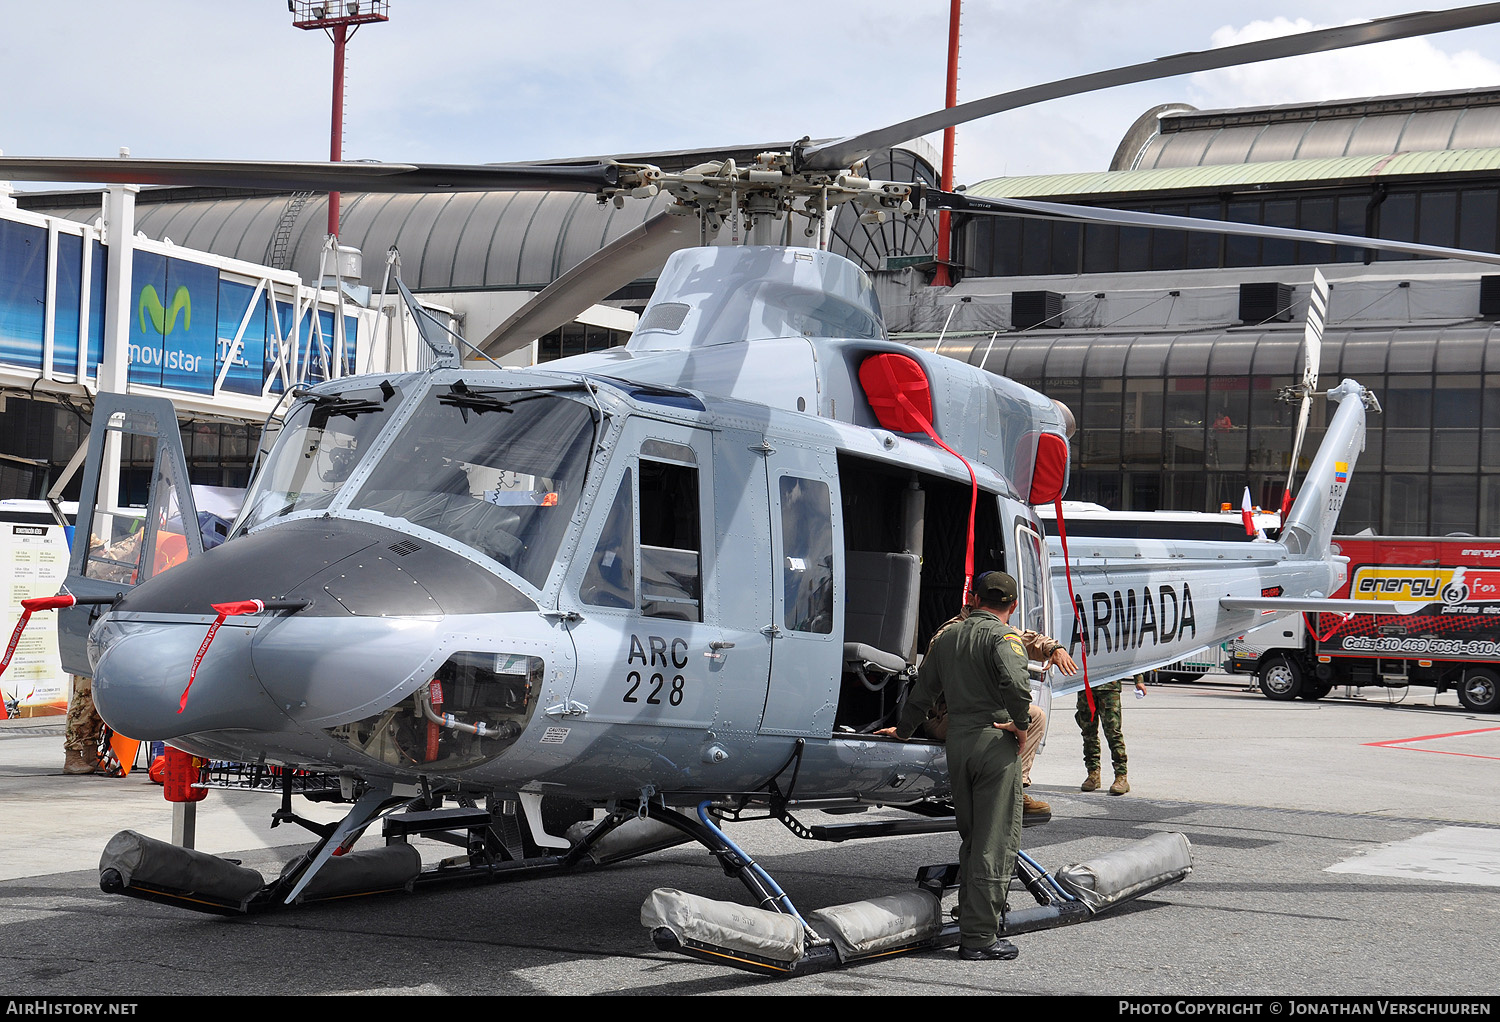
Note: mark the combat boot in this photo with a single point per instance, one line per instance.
(76, 762)
(1091, 782)
(1121, 785)
(1034, 810)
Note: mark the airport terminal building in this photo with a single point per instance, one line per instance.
(1172, 349)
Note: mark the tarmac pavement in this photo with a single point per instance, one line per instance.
(1341, 848)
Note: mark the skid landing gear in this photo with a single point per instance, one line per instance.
(775, 939)
(498, 842)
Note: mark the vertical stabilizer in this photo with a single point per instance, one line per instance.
(1309, 527)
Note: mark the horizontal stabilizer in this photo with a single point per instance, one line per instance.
(1316, 605)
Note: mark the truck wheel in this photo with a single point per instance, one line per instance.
(1480, 690)
(1312, 690)
(1280, 677)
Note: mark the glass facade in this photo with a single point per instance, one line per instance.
(1460, 214)
(1187, 422)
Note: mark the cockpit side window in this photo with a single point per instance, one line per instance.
(671, 543)
(1032, 576)
(610, 578)
(807, 553)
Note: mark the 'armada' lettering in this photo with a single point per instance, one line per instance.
(1139, 618)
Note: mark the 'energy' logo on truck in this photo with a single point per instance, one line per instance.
(1425, 585)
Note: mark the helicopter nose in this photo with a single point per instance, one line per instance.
(370, 627)
(142, 669)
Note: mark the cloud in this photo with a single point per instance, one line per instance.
(1383, 69)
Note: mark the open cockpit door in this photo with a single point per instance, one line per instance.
(136, 516)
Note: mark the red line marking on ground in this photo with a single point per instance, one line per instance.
(1399, 743)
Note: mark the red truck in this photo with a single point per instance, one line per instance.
(1450, 640)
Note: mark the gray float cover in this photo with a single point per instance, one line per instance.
(1128, 872)
(867, 927)
(636, 836)
(167, 867)
(369, 869)
(724, 924)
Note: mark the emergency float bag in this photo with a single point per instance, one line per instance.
(868, 927)
(149, 864)
(1128, 872)
(723, 924)
(636, 836)
(385, 868)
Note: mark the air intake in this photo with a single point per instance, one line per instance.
(1035, 308)
(1265, 301)
(1489, 296)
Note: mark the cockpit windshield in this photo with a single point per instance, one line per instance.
(322, 441)
(500, 471)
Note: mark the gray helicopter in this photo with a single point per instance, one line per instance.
(572, 614)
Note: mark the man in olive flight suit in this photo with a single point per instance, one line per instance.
(979, 666)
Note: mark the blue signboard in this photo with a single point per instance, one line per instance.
(69, 304)
(174, 323)
(183, 319)
(247, 371)
(23, 293)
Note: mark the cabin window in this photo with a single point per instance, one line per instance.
(610, 579)
(1033, 580)
(807, 554)
(671, 544)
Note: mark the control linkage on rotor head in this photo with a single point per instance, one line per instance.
(768, 186)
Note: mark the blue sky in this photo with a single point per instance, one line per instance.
(461, 81)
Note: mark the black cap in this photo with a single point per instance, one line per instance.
(995, 587)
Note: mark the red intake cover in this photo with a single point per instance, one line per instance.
(898, 391)
(1051, 469)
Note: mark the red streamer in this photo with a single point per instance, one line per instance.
(225, 610)
(1083, 639)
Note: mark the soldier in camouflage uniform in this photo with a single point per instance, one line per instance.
(81, 740)
(1107, 702)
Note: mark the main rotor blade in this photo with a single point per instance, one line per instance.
(316, 177)
(633, 254)
(960, 203)
(842, 153)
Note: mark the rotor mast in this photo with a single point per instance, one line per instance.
(340, 19)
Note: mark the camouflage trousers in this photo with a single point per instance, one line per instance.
(82, 734)
(1107, 700)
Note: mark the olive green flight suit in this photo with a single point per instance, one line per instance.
(979, 667)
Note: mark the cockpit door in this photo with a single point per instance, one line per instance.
(807, 549)
(656, 600)
(136, 516)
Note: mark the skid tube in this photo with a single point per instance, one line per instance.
(775, 939)
(139, 867)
